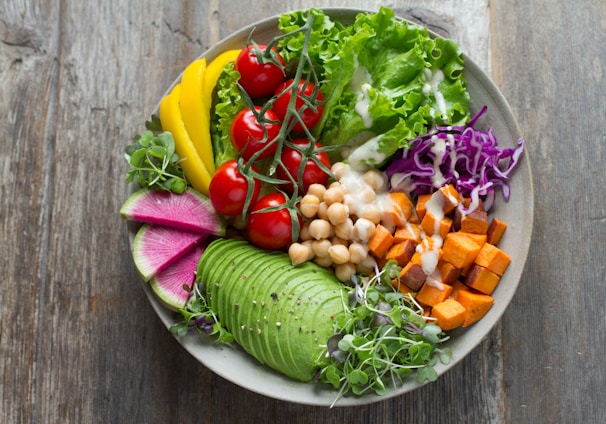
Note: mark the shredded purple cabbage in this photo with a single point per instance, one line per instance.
(466, 157)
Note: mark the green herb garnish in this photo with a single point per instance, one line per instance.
(199, 318)
(382, 338)
(154, 162)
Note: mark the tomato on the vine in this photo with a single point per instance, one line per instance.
(258, 79)
(270, 229)
(248, 136)
(228, 189)
(310, 115)
(312, 172)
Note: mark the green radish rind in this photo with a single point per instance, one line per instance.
(280, 314)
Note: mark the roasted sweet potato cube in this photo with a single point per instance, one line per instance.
(448, 197)
(431, 226)
(480, 239)
(402, 288)
(457, 286)
(420, 206)
(459, 250)
(493, 259)
(433, 292)
(401, 252)
(448, 271)
(407, 232)
(475, 222)
(449, 314)
(403, 203)
(412, 276)
(476, 305)
(466, 202)
(416, 258)
(496, 229)
(380, 242)
(482, 279)
(458, 214)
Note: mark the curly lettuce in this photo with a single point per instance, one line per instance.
(386, 82)
(228, 103)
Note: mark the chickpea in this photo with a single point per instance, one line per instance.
(298, 253)
(357, 253)
(324, 261)
(317, 190)
(339, 254)
(367, 266)
(345, 271)
(322, 211)
(339, 240)
(371, 212)
(337, 213)
(339, 169)
(309, 245)
(304, 232)
(363, 229)
(364, 269)
(375, 179)
(368, 195)
(334, 195)
(309, 205)
(319, 229)
(344, 230)
(320, 248)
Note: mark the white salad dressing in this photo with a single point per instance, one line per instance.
(453, 154)
(361, 83)
(367, 153)
(438, 148)
(431, 86)
(430, 251)
(357, 194)
(363, 104)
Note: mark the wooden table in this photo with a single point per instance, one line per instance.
(79, 341)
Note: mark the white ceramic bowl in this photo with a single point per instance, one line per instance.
(235, 365)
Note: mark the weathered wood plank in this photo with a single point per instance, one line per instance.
(549, 63)
(80, 343)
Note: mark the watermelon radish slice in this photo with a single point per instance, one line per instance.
(155, 247)
(169, 284)
(190, 211)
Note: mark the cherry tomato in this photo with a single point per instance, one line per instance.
(228, 189)
(310, 116)
(312, 173)
(247, 134)
(270, 229)
(258, 79)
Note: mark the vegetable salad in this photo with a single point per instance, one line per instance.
(347, 156)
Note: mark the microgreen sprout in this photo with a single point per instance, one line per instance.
(381, 338)
(198, 317)
(153, 160)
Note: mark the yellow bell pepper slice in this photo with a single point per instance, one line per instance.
(196, 116)
(213, 72)
(171, 119)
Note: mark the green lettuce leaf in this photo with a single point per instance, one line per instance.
(324, 41)
(385, 82)
(228, 103)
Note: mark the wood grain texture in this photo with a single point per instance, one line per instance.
(550, 65)
(78, 340)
